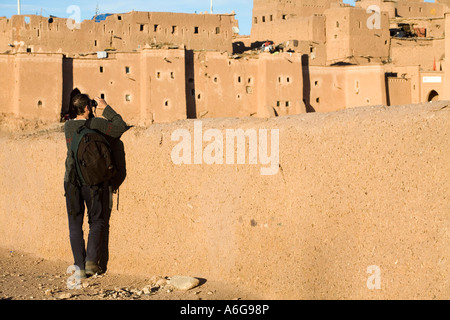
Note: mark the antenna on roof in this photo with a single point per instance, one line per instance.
(18, 7)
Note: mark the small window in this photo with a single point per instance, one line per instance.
(119, 17)
(337, 24)
(127, 70)
(166, 103)
(278, 103)
(316, 83)
(155, 28)
(128, 97)
(288, 104)
(239, 79)
(29, 50)
(271, 17)
(318, 100)
(158, 75)
(141, 27)
(217, 30)
(101, 69)
(263, 19)
(174, 29)
(284, 17)
(256, 20)
(102, 95)
(172, 76)
(95, 43)
(195, 30)
(288, 79)
(39, 104)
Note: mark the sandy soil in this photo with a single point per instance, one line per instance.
(26, 277)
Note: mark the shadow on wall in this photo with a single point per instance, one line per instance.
(306, 84)
(191, 108)
(68, 90)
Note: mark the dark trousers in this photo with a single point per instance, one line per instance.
(96, 200)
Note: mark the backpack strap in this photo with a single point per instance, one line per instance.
(74, 148)
(87, 124)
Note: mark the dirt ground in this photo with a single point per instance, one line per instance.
(26, 277)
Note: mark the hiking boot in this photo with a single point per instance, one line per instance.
(92, 268)
(80, 274)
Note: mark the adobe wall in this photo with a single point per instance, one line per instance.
(447, 61)
(432, 82)
(357, 188)
(7, 79)
(122, 32)
(289, 20)
(167, 85)
(410, 9)
(409, 52)
(399, 91)
(339, 88)
(311, 28)
(348, 35)
(149, 85)
(225, 87)
(412, 76)
(387, 6)
(31, 85)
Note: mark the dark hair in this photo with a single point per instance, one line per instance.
(80, 101)
(72, 113)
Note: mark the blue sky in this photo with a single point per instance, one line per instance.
(243, 8)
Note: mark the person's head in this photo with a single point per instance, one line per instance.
(81, 104)
(71, 113)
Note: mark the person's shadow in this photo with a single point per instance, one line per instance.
(118, 152)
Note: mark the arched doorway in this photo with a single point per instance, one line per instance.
(433, 96)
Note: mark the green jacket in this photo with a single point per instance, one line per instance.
(113, 126)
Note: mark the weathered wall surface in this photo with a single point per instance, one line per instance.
(355, 188)
(447, 61)
(31, 85)
(122, 32)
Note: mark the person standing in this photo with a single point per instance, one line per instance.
(79, 196)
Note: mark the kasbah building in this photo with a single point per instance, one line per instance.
(162, 67)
